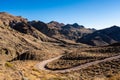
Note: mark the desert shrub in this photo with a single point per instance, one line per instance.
(10, 65)
(104, 50)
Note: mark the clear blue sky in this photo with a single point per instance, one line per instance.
(90, 13)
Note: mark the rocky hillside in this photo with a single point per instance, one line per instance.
(20, 24)
(102, 37)
(10, 20)
(21, 39)
(62, 31)
(18, 38)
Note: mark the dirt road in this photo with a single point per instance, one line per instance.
(42, 64)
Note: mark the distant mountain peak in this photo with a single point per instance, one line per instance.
(53, 22)
(102, 37)
(115, 26)
(111, 29)
(76, 25)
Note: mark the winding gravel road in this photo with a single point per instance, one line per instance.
(42, 64)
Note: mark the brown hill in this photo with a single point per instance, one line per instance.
(21, 24)
(17, 37)
(102, 37)
(9, 20)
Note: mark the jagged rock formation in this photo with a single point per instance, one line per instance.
(74, 31)
(60, 30)
(102, 37)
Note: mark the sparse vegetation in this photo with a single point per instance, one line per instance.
(22, 46)
(79, 57)
(8, 64)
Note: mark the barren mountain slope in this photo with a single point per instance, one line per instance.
(23, 45)
(17, 37)
(102, 37)
(61, 31)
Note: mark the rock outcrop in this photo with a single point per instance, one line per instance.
(102, 37)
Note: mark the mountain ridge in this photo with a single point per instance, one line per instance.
(54, 31)
(104, 37)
